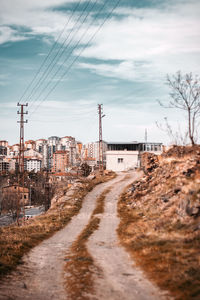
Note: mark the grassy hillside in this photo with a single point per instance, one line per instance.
(160, 220)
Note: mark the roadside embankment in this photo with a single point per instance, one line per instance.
(16, 241)
(160, 221)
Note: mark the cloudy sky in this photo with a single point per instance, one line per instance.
(64, 57)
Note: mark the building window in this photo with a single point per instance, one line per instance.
(120, 160)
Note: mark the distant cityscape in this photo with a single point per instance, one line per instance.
(64, 154)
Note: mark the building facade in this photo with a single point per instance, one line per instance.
(33, 165)
(91, 151)
(126, 156)
(60, 161)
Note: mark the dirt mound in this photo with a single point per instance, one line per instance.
(180, 151)
(149, 162)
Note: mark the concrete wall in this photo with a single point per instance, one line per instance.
(121, 160)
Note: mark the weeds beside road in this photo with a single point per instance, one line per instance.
(16, 241)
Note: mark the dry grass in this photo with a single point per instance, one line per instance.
(80, 265)
(160, 219)
(16, 241)
(167, 251)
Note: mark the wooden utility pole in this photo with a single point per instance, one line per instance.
(101, 115)
(21, 159)
(47, 191)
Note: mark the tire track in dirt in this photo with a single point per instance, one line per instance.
(118, 279)
(80, 265)
(41, 276)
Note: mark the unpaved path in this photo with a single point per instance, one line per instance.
(41, 276)
(119, 279)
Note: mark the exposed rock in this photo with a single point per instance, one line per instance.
(166, 187)
(165, 199)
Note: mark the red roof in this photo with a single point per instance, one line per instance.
(63, 174)
(61, 152)
(30, 142)
(41, 140)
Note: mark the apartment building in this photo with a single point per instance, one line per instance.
(33, 164)
(3, 148)
(39, 154)
(30, 145)
(3, 143)
(60, 161)
(91, 150)
(4, 166)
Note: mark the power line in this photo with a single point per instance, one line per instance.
(51, 50)
(62, 48)
(76, 58)
(73, 48)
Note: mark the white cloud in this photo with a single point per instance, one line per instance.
(36, 15)
(165, 40)
(8, 34)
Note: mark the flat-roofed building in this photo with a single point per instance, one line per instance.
(123, 156)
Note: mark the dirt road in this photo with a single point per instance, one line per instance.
(41, 276)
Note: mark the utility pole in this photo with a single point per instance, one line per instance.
(21, 158)
(47, 191)
(101, 115)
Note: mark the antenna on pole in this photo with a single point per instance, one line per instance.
(21, 159)
(101, 115)
(145, 138)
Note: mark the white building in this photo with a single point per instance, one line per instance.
(126, 156)
(33, 164)
(42, 148)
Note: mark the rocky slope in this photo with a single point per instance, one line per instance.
(160, 220)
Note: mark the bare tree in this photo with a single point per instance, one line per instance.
(10, 204)
(176, 136)
(185, 95)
